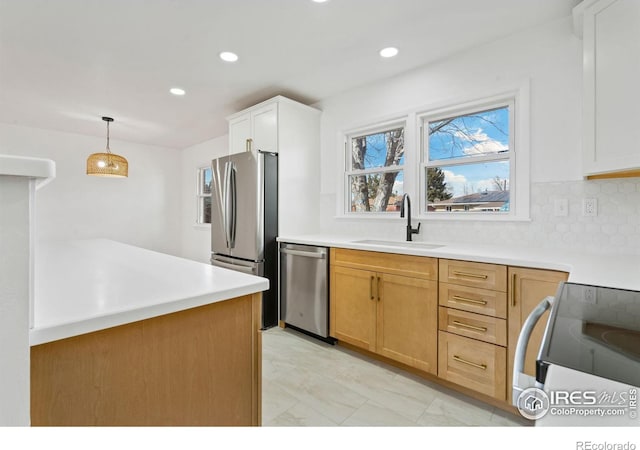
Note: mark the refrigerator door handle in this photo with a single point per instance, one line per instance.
(234, 206)
(223, 202)
(219, 191)
(229, 205)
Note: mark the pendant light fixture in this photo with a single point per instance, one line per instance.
(107, 164)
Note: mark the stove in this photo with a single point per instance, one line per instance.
(588, 366)
(594, 330)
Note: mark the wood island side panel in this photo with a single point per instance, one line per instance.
(197, 367)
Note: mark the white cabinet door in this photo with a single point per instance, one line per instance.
(260, 126)
(239, 132)
(265, 128)
(611, 96)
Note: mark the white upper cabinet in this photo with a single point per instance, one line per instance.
(239, 133)
(255, 129)
(611, 33)
(291, 129)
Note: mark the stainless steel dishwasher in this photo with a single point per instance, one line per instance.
(304, 289)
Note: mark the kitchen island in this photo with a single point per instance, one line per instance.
(126, 336)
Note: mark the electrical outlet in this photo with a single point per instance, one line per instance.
(561, 207)
(590, 207)
(590, 296)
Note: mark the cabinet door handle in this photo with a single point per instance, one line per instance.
(378, 288)
(469, 363)
(470, 275)
(471, 327)
(514, 280)
(248, 144)
(469, 300)
(371, 287)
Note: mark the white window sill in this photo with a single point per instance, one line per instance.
(202, 226)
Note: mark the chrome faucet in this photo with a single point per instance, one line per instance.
(410, 229)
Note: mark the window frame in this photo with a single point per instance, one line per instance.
(379, 127)
(414, 175)
(201, 196)
(458, 111)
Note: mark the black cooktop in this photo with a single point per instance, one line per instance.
(595, 330)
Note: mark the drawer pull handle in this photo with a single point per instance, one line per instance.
(471, 327)
(470, 275)
(464, 361)
(469, 300)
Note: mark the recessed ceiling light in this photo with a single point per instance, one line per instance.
(319, 1)
(177, 91)
(228, 56)
(388, 52)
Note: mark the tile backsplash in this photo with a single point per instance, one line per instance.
(614, 230)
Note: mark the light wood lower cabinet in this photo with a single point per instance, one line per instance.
(353, 307)
(475, 300)
(473, 364)
(407, 322)
(463, 329)
(389, 314)
(476, 326)
(527, 288)
(473, 326)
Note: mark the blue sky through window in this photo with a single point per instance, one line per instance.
(469, 178)
(375, 158)
(465, 137)
(480, 133)
(377, 151)
(206, 178)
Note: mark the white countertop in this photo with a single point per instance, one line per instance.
(618, 271)
(88, 285)
(25, 166)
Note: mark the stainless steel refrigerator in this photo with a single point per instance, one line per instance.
(244, 220)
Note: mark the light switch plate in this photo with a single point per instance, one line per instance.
(561, 207)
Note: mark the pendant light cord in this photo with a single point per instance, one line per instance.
(108, 149)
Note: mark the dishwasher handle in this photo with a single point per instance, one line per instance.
(316, 255)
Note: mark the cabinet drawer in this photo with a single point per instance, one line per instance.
(408, 265)
(481, 301)
(473, 364)
(480, 275)
(476, 326)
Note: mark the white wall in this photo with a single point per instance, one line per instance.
(141, 210)
(196, 239)
(550, 58)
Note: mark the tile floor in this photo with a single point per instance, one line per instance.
(306, 382)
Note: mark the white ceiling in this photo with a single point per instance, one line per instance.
(66, 63)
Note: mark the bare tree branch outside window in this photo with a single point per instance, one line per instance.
(381, 155)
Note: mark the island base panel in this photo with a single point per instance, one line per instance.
(201, 366)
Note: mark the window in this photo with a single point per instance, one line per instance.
(375, 165)
(204, 195)
(468, 160)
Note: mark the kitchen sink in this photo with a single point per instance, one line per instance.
(404, 244)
